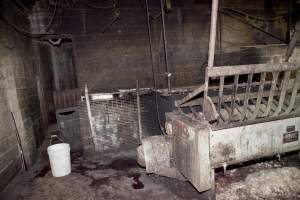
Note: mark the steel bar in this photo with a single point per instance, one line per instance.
(234, 91)
(284, 86)
(139, 111)
(88, 107)
(272, 92)
(252, 68)
(212, 44)
(20, 146)
(221, 88)
(294, 93)
(248, 90)
(213, 31)
(260, 95)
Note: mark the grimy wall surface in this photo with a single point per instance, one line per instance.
(18, 96)
(119, 56)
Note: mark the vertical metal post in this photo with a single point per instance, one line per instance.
(165, 44)
(212, 41)
(138, 102)
(213, 31)
(88, 108)
(211, 55)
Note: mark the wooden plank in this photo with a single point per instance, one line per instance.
(260, 94)
(284, 87)
(249, 69)
(190, 96)
(294, 93)
(272, 92)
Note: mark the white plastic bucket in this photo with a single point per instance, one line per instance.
(60, 159)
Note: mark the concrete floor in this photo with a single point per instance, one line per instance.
(120, 177)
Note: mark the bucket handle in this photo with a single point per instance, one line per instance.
(55, 136)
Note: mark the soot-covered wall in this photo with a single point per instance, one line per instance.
(19, 97)
(119, 56)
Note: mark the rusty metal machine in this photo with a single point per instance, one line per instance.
(247, 112)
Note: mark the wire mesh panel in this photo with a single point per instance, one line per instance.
(115, 122)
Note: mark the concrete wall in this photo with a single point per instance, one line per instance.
(19, 96)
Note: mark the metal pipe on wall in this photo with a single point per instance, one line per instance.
(165, 45)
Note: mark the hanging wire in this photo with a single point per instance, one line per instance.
(17, 8)
(29, 33)
(152, 67)
(21, 4)
(144, 8)
(113, 6)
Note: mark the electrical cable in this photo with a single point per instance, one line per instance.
(113, 6)
(152, 68)
(28, 33)
(115, 19)
(144, 8)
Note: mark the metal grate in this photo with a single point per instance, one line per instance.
(115, 122)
